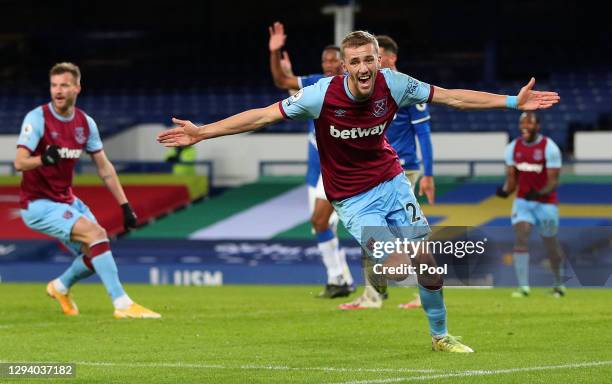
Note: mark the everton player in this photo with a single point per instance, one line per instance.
(323, 218)
(52, 138)
(361, 173)
(533, 163)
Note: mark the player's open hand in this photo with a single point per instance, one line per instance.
(428, 187)
(530, 100)
(277, 36)
(185, 133)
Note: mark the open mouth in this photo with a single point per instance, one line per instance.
(364, 79)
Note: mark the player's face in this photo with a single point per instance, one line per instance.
(64, 91)
(529, 128)
(362, 64)
(330, 62)
(387, 59)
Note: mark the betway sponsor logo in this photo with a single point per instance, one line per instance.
(355, 133)
(67, 153)
(529, 167)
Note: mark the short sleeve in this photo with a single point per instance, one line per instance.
(32, 129)
(407, 90)
(552, 154)
(307, 103)
(509, 154)
(94, 143)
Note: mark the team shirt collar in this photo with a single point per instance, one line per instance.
(535, 142)
(58, 116)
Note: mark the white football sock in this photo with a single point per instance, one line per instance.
(346, 272)
(331, 259)
(60, 287)
(122, 302)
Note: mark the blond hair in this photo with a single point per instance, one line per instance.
(66, 67)
(357, 39)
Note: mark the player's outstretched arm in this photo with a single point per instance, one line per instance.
(282, 78)
(187, 133)
(526, 100)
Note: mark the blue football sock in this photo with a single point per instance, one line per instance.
(521, 267)
(106, 268)
(433, 304)
(77, 271)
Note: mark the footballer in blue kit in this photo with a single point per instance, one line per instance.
(360, 170)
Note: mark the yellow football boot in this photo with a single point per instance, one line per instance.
(68, 305)
(136, 311)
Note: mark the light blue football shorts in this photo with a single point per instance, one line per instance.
(56, 219)
(544, 216)
(387, 212)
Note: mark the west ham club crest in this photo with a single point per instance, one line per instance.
(538, 155)
(380, 107)
(79, 135)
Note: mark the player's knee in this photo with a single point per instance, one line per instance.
(521, 242)
(319, 222)
(96, 233)
(396, 267)
(397, 276)
(431, 281)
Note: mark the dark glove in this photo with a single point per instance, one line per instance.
(501, 192)
(173, 159)
(176, 157)
(51, 156)
(532, 195)
(129, 217)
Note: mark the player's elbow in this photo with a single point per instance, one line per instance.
(279, 83)
(282, 83)
(456, 104)
(18, 165)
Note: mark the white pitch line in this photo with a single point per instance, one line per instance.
(254, 367)
(480, 373)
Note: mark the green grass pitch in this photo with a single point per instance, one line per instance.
(281, 334)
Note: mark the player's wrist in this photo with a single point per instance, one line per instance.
(512, 102)
(126, 207)
(501, 192)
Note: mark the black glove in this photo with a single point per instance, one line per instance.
(501, 192)
(129, 217)
(532, 195)
(173, 159)
(176, 157)
(51, 156)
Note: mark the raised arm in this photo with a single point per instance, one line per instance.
(526, 100)
(187, 133)
(282, 78)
